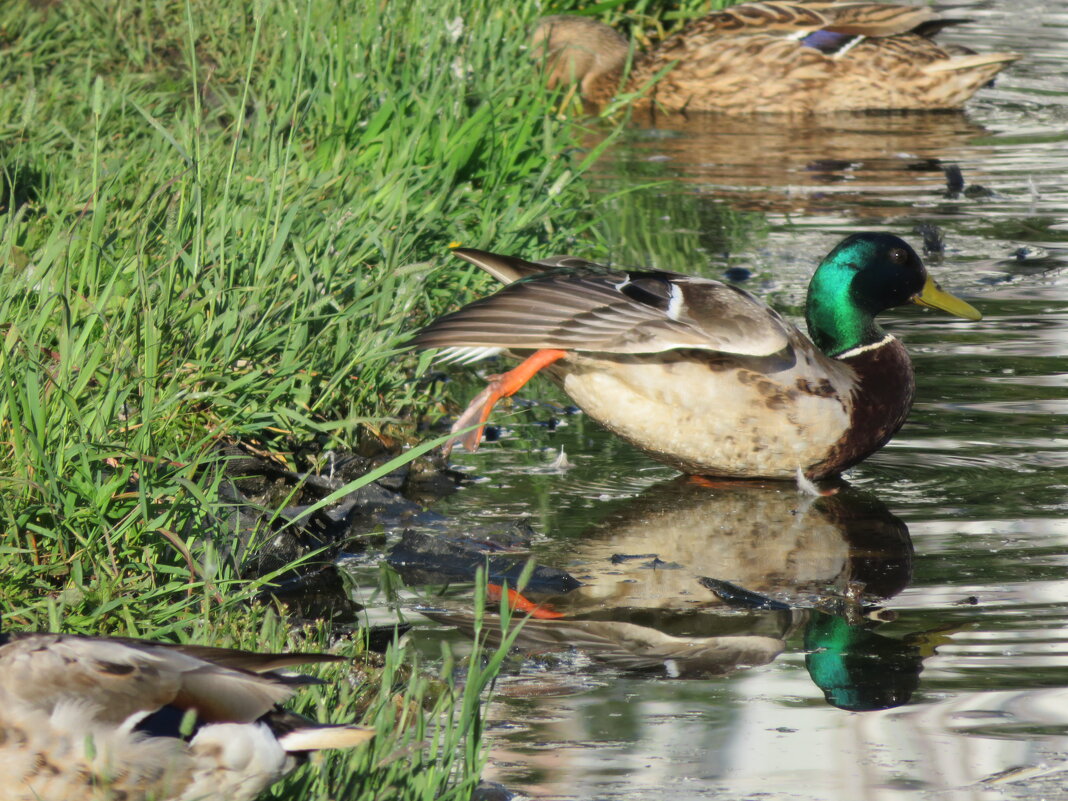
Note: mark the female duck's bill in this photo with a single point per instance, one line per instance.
(699, 374)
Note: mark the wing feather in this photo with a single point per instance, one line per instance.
(608, 312)
(121, 677)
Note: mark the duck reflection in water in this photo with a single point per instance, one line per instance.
(876, 166)
(693, 581)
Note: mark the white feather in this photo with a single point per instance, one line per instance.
(465, 355)
(675, 302)
(850, 46)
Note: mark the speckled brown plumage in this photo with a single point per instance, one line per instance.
(801, 57)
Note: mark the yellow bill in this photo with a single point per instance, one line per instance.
(934, 297)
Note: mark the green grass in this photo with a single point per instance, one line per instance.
(219, 221)
(232, 219)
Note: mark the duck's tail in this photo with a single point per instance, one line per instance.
(319, 738)
(966, 61)
(959, 77)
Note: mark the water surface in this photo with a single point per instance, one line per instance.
(653, 686)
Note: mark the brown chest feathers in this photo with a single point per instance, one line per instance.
(881, 402)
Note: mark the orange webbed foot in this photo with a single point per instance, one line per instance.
(500, 386)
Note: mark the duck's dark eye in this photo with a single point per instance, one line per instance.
(898, 255)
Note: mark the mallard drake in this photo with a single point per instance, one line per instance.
(102, 718)
(703, 375)
(795, 56)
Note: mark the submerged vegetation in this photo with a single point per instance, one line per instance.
(218, 223)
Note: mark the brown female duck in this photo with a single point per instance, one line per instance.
(702, 375)
(796, 56)
(93, 718)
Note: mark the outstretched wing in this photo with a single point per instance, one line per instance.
(579, 306)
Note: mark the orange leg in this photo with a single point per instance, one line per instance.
(500, 386)
(521, 604)
(710, 482)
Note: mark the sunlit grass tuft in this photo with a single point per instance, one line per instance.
(219, 221)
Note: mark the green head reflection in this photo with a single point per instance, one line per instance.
(857, 669)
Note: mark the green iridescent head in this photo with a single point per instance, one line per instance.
(864, 275)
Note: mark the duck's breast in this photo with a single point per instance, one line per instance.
(718, 414)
